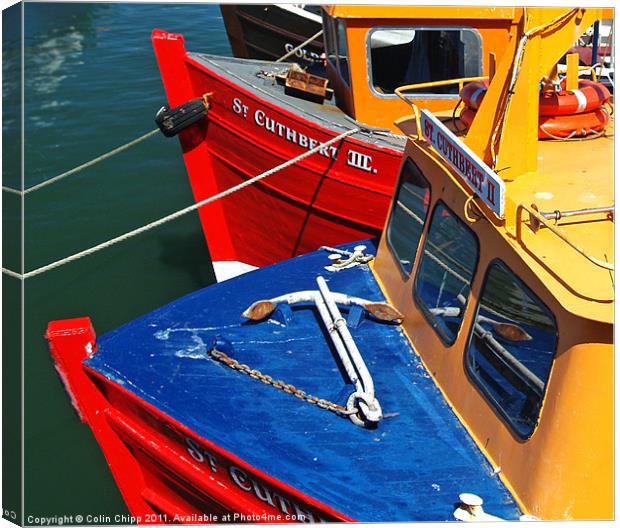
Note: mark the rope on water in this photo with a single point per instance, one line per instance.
(179, 213)
(79, 168)
(287, 55)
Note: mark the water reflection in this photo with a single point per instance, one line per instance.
(408, 214)
(55, 37)
(446, 272)
(512, 348)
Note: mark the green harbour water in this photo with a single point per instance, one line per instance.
(91, 83)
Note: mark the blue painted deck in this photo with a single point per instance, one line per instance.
(411, 468)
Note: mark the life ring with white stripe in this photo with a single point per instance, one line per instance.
(562, 114)
(560, 126)
(473, 93)
(590, 96)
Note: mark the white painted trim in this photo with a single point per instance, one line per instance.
(295, 9)
(228, 269)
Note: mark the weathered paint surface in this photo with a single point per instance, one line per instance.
(412, 467)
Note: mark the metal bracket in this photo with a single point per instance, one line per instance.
(363, 406)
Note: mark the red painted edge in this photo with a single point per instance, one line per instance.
(71, 342)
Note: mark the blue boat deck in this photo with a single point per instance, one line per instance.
(412, 467)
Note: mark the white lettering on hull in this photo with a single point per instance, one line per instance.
(360, 161)
(302, 53)
(293, 136)
(260, 118)
(250, 485)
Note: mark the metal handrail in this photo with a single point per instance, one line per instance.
(537, 218)
(562, 68)
(432, 84)
(558, 215)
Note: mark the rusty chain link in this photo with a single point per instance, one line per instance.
(279, 384)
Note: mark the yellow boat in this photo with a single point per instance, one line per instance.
(497, 391)
(537, 219)
(373, 49)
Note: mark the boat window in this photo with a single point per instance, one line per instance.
(408, 215)
(330, 40)
(511, 348)
(336, 45)
(343, 53)
(445, 273)
(417, 55)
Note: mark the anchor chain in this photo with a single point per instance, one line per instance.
(281, 385)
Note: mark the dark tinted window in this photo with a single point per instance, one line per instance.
(446, 270)
(401, 56)
(330, 40)
(336, 45)
(512, 347)
(408, 215)
(343, 53)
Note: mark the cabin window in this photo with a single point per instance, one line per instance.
(336, 45)
(343, 53)
(330, 40)
(408, 216)
(511, 348)
(401, 56)
(446, 271)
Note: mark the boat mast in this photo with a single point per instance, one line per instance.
(505, 131)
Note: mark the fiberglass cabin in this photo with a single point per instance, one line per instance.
(510, 303)
(372, 50)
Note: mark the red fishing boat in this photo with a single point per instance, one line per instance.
(258, 117)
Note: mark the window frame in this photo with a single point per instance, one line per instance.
(416, 297)
(339, 27)
(330, 38)
(417, 94)
(476, 382)
(388, 240)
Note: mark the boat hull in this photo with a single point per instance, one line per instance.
(270, 31)
(185, 435)
(165, 471)
(337, 195)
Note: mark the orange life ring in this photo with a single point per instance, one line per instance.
(587, 98)
(473, 93)
(562, 126)
(467, 116)
(575, 125)
(562, 114)
(590, 96)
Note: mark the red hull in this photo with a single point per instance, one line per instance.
(326, 199)
(165, 472)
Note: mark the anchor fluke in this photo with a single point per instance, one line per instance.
(384, 312)
(259, 310)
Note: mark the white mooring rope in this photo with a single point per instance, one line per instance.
(83, 166)
(287, 55)
(179, 213)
